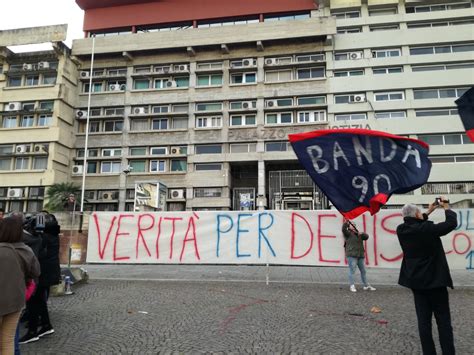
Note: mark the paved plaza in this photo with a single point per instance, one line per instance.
(149, 309)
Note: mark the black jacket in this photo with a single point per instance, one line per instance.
(49, 256)
(424, 264)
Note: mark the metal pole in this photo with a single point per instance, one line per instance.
(84, 170)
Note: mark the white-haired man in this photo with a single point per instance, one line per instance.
(425, 271)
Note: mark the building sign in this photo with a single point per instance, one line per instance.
(251, 237)
(150, 196)
(265, 133)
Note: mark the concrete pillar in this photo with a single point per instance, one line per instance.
(261, 193)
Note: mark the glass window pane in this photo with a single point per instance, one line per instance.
(178, 165)
(464, 48)
(447, 93)
(271, 119)
(250, 119)
(452, 139)
(216, 79)
(40, 163)
(208, 149)
(236, 120)
(425, 94)
(423, 50)
(138, 166)
(443, 49)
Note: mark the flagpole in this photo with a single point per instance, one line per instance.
(84, 170)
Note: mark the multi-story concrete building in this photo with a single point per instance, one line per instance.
(202, 99)
(37, 99)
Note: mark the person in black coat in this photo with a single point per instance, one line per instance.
(48, 229)
(426, 272)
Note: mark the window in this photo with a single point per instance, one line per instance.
(161, 109)
(389, 96)
(390, 114)
(243, 148)
(14, 81)
(216, 106)
(279, 75)
(349, 98)
(27, 121)
(208, 167)
(112, 152)
(141, 84)
(310, 73)
(277, 146)
(375, 28)
(456, 48)
(346, 14)
(139, 125)
(111, 111)
(158, 151)
(209, 122)
(209, 149)
(436, 112)
(286, 17)
(444, 139)
(40, 163)
(424, 24)
(307, 101)
(209, 80)
(161, 83)
(6, 149)
(243, 78)
(44, 120)
(349, 55)
(5, 164)
(387, 70)
(49, 79)
(344, 73)
(179, 123)
(110, 167)
(279, 118)
(346, 30)
(207, 192)
(383, 12)
(448, 66)
(138, 151)
(96, 87)
(92, 167)
(243, 120)
(182, 81)
(36, 192)
(32, 80)
(113, 126)
(180, 108)
(310, 57)
(438, 7)
(209, 66)
(311, 116)
(22, 163)
(438, 93)
(279, 103)
(350, 116)
(452, 159)
(159, 124)
(385, 53)
(248, 62)
(46, 105)
(243, 105)
(9, 122)
(158, 165)
(178, 165)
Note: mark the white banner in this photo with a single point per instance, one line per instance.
(252, 237)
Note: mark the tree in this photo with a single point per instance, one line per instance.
(58, 194)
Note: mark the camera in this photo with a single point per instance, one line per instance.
(438, 201)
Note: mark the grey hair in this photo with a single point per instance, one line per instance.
(410, 210)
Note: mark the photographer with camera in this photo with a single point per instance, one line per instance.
(47, 228)
(425, 271)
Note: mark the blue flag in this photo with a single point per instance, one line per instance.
(360, 169)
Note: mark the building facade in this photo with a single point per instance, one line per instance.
(202, 99)
(37, 100)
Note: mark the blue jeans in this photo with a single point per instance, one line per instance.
(353, 264)
(17, 339)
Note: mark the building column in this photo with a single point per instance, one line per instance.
(261, 193)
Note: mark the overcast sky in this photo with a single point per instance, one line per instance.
(30, 13)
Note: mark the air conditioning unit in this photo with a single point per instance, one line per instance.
(13, 106)
(15, 193)
(139, 110)
(115, 87)
(41, 148)
(355, 55)
(181, 68)
(27, 66)
(84, 74)
(247, 105)
(23, 148)
(43, 65)
(271, 61)
(176, 194)
(358, 98)
(123, 87)
(176, 151)
(80, 114)
(171, 84)
(107, 196)
(272, 103)
(249, 62)
(77, 169)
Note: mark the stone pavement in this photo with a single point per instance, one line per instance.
(229, 309)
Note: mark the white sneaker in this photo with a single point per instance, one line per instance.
(353, 288)
(369, 288)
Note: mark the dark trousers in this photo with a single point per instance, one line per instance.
(434, 301)
(37, 308)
